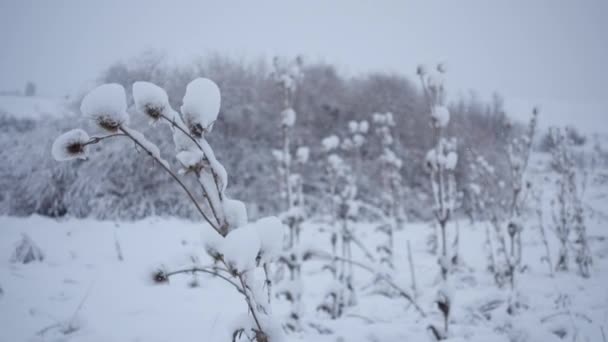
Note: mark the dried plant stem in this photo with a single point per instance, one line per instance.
(211, 271)
(389, 281)
(174, 176)
(412, 270)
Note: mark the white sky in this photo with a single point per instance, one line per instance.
(551, 53)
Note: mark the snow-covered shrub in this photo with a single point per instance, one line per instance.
(237, 247)
(26, 251)
(568, 209)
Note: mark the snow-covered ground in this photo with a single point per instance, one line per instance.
(82, 284)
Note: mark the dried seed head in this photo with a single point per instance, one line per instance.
(71, 145)
(160, 277)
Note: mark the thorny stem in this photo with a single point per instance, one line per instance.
(174, 176)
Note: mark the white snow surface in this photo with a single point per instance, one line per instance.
(76, 136)
(121, 303)
(108, 102)
(201, 103)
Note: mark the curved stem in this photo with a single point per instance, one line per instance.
(174, 176)
(189, 136)
(208, 271)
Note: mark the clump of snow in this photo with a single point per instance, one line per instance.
(149, 146)
(330, 143)
(240, 248)
(441, 116)
(218, 169)
(235, 213)
(190, 159)
(288, 117)
(434, 160)
(302, 154)
(70, 145)
(358, 140)
(451, 160)
(353, 126)
(363, 126)
(390, 158)
(150, 99)
(201, 105)
(107, 106)
(26, 251)
(270, 230)
(280, 156)
(212, 242)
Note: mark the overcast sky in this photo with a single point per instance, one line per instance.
(551, 53)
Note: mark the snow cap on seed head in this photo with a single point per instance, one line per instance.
(70, 145)
(107, 106)
(201, 106)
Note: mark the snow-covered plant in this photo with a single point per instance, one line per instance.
(287, 76)
(26, 251)
(509, 216)
(441, 163)
(568, 209)
(390, 175)
(237, 247)
(538, 195)
(353, 142)
(342, 192)
(481, 193)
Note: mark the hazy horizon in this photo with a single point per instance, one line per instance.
(547, 53)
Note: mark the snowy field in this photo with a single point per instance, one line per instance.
(83, 288)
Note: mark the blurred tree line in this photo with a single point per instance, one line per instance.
(120, 183)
